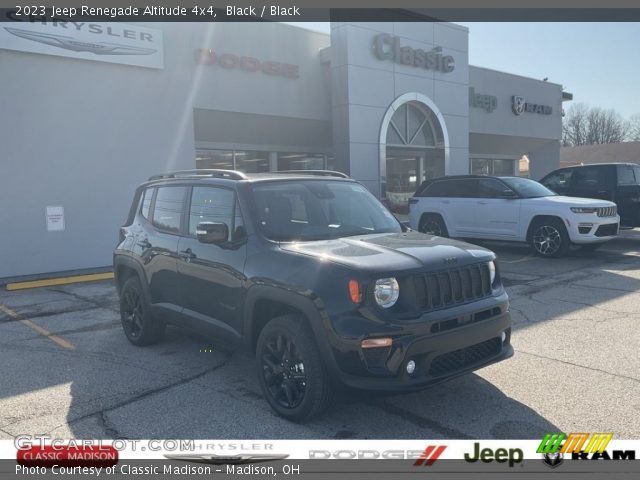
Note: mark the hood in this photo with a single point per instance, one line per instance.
(573, 201)
(393, 252)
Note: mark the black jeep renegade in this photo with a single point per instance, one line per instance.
(312, 274)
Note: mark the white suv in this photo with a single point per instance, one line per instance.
(511, 208)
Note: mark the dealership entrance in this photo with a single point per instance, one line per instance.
(414, 150)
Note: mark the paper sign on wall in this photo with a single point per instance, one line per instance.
(55, 218)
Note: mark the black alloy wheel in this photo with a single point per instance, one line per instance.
(291, 372)
(138, 324)
(283, 371)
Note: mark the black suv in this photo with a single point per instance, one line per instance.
(617, 182)
(314, 276)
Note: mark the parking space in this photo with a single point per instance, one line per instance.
(68, 370)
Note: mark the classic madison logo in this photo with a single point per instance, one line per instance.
(70, 43)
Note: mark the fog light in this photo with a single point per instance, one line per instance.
(504, 337)
(411, 367)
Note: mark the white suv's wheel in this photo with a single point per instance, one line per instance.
(549, 238)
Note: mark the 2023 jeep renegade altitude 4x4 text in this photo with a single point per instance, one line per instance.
(311, 273)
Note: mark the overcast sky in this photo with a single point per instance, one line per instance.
(598, 62)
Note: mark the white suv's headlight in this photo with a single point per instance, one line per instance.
(584, 209)
(492, 271)
(386, 292)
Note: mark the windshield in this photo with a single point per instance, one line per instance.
(527, 188)
(319, 210)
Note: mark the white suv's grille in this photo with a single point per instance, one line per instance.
(607, 211)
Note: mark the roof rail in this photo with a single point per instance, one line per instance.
(203, 172)
(319, 173)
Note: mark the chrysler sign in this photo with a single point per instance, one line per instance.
(103, 42)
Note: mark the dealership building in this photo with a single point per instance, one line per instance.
(90, 110)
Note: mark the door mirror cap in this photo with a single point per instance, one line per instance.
(212, 232)
(508, 193)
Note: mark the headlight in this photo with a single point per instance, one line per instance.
(492, 272)
(584, 209)
(386, 292)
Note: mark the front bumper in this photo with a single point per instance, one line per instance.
(438, 356)
(585, 229)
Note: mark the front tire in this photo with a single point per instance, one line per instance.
(139, 326)
(432, 224)
(291, 374)
(549, 238)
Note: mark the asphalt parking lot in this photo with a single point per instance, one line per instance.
(68, 371)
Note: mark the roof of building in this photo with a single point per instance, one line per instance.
(627, 152)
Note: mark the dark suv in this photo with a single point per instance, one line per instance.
(617, 182)
(311, 273)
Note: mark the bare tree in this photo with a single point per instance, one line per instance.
(634, 128)
(586, 126)
(574, 125)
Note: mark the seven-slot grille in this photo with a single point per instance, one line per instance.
(449, 287)
(607, 211)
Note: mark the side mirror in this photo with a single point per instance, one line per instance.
(508, 193)
(212, 232)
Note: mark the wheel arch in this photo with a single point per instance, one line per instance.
(539, 217)
(426, 214)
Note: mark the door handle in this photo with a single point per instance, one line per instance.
(144, 243)
(187, 254)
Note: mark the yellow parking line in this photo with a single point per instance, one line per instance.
(49, 282)
(38, 329)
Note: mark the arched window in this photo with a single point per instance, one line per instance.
(416, 126)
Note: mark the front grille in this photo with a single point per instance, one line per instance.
(607, 211)
(452, 361)
(454, 286)
(607, 230)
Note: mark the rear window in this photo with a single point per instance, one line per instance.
(626, 175)
(167, 213)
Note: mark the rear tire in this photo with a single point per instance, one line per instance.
(139, 326)
(291, 373)
(433, 224)
(549, 238)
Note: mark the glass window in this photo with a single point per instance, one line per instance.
(462, 188)
(167, 213)
(625, 175)
(527, 188)
(490, 188)
(558, 181)
(318, 210)
(439, 189)
(252, 162)
(301, 161)
(214, 159)
(147, 195)
(210, 204)
(588, 177)
(493, 166)
(636, 169)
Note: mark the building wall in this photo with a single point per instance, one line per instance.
(363, 88)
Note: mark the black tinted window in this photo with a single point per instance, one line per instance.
(626, 176)
(210, 204)
(589, 177)
(167, 213)
(147, 196)
(453, 188)
(490, 188)
(560, 180)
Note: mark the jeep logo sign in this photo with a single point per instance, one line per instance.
(387, 47)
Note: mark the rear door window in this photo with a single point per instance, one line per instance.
(626, 175)
(589, 177)
(168, 209)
